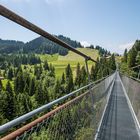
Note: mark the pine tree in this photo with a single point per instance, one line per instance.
(24, 104)
(112, 62)
(51, 71)
(38, 71)
(83, 76)
(19, 82)
(0, 73)
(57, 89)
(99, 74)
(125, 56)
(78, 75)
(92, 73)
(1, 85)
(35, 69)
(68, 71)
(45, 92)
(32, 86)
(69, 85)
(10, 107)
(27, 104)
(63, 80)
(19, 69)
(10, 74)
(138, 58)
(103, 71)
(132, 57)
(97, 67)
(46, 65)
(27, 79)
(69, 79)
(3, 103)
(41, 94)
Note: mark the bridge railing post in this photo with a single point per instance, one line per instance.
(87, 69)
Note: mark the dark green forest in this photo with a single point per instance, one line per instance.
(130, 60)
(42, 45)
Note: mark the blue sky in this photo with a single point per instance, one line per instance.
(113, 24)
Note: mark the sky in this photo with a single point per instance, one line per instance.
(112, 24)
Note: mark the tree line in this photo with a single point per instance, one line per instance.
(18, 59)
(131, 59)
(42, 45)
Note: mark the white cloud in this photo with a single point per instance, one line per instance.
(126, 46)
(85, 43)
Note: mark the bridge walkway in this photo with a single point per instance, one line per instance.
(118, 122)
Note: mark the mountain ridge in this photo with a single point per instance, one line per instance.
(37, 45)
(41, 45)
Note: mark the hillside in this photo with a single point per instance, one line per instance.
(47, 50)
(60, 62)
(45, 46)
(10, 46)
(38, 45)
(42, 45)
(72, 56)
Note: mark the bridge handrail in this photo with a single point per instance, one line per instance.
(130, 100)
(131, 77)
(25, 117)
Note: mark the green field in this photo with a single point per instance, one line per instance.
(60, 62)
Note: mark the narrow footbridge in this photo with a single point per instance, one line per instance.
(119, 121)
(107, 109)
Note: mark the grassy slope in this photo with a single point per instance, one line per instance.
(60, 62)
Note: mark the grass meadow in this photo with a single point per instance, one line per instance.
(60, 62)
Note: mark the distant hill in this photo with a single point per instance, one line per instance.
(45, 46)
(39, 45)
(42, 45)
(10, 46)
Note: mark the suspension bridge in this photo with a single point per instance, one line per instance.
(107, 109)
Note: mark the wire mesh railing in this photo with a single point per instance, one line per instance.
(132, 87)
(107, 108)
(78, 118)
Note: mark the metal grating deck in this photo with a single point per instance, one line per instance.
(118, 122)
